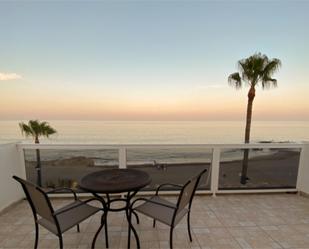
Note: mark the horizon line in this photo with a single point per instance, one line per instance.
(115, 120)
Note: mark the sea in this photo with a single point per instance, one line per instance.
(162, 132)
(155, 132)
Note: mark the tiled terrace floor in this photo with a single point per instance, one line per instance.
(225, 222)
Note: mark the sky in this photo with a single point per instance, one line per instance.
(149, 60)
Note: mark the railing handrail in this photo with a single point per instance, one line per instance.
(9, 143)
(139, 146)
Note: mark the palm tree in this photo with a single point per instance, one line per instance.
(253, 70)
(36, 129)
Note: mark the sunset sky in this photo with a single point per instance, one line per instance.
(149, 60)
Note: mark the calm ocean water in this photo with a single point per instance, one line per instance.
(147, 132)
(103, 132)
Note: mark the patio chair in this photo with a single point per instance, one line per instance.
(167, 212)
(61, 220)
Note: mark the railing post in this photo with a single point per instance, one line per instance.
(215, 164)
(303, 170)
(22, 161)
(122, 158)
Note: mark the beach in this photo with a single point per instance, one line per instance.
(275, 169)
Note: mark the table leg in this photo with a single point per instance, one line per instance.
(129, 218)
(106, 229)
(97, 233)
(106, 207)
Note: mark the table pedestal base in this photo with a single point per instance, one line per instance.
(126, 208)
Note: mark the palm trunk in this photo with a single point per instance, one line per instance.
(38, 164)
(251, 95)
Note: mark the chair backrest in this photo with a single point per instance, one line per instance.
(187, 193)
(38, 199)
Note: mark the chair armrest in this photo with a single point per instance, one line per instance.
(60, 189)
(80, 204)
(168, 184)
(151, 201)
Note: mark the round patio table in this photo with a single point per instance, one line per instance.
(113, 181)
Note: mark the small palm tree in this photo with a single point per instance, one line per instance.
(36, 129)
(253, 70)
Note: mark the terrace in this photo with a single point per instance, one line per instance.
(270, 211)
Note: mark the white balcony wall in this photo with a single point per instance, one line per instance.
(303, 173)
(10, 164)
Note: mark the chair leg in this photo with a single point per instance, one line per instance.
(60, 242)
(189, 228)
(171, 237)
(78, 230)
(36, 236)
(154, 223)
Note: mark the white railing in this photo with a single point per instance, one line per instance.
(215, 159)
(10, 164)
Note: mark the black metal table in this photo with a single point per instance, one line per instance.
(115, 181)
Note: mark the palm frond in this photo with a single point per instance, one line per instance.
(35, 128)
(252, 67)
(257, 68)
(270, 68)
(243, 69)
(47, 130)
(25, 129)
(268, 83)
(235, 80)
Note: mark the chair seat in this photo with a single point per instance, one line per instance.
(159, 212)
(69, 218)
